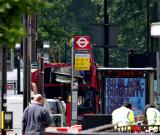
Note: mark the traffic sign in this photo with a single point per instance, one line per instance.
(82, 43)
(82, 61)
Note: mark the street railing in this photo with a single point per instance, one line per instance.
(109, 129)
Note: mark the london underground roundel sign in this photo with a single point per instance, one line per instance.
(82, 43)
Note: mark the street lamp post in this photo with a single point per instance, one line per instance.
(46, 48)
(106, 34)
(42, 73)
(155, 32)
(27, 62)
(148, 25)
(44, 58)
(18, 53)
(4, 82)
(155, 29)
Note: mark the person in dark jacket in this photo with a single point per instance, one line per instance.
(35, 117)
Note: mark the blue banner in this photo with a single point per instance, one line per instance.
(120, 90)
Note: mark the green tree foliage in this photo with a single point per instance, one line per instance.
(83, 14)
(51, 28)
(11, 14)
(74, 17)
(131, 16)
(62, 22)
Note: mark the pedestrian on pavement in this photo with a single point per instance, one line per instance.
(35, 118)
(123, 116)
(153, 117)
(34, 89)
(63, 103)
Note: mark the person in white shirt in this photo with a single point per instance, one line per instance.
(123, 116)
(153, 117)
(63, 103)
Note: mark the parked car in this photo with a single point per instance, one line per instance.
(57, 112)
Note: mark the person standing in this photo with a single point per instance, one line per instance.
(62, 101)
(153, 117)
(35, 117)
(34, 89)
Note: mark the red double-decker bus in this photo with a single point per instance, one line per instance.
(57, 83)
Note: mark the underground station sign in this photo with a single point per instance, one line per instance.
(82, 51)
(82, 43)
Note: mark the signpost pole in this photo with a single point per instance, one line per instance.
(42, 73)
(72, 68)
(80, 62)
(74, 90)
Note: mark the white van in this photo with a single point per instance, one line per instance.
(54, 107)
(15, 105)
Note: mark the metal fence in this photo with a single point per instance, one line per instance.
(109, 129)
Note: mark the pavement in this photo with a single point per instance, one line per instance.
(51, 129)
(72, 129)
